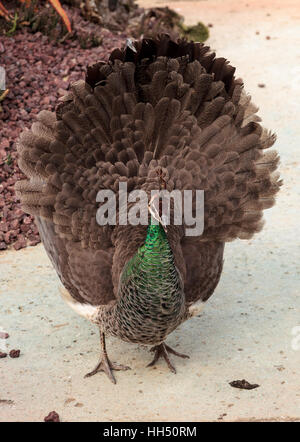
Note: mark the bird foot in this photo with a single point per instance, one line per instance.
(163, 350)
(107, 366)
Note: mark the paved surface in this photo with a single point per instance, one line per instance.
(246, 328)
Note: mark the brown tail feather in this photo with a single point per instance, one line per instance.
(168, 105)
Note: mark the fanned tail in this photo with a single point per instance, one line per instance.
(167, 106)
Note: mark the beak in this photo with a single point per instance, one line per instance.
(152, 207)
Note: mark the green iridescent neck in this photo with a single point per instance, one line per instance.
(154, 259)
(155, 236)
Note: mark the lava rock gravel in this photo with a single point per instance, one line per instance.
(38, 71)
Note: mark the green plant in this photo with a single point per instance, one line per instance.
(14, 25)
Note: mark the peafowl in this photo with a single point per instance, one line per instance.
(160, 114)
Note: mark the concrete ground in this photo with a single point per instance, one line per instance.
(246, 329)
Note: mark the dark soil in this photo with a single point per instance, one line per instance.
(37, 72)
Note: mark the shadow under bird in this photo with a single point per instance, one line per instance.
(159, 114)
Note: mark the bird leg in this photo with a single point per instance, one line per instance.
(163, 350)
(105, 364)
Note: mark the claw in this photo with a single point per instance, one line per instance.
(105, 364)
(163, 350)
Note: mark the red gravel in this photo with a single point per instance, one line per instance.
(2, 355)
(14, 353)
(52, 417)
(37, 72)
